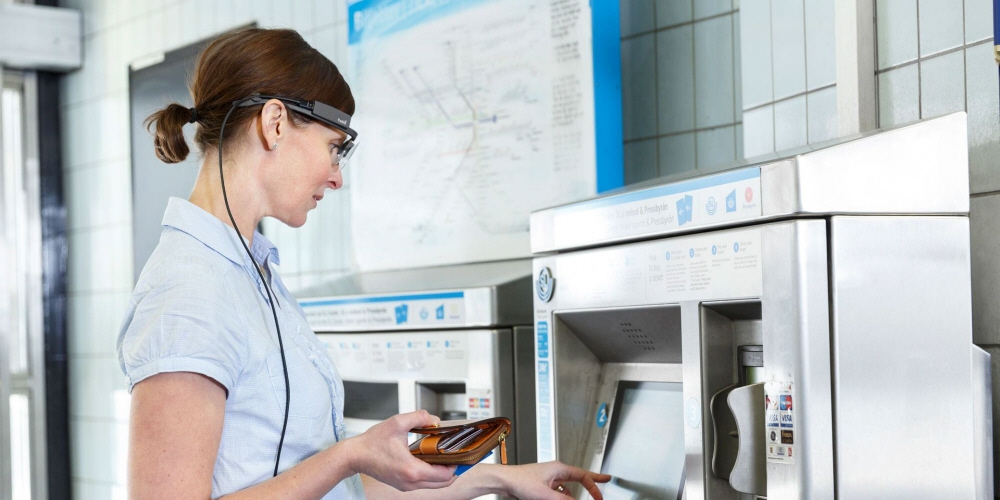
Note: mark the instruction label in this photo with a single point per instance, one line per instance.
(705, 201)
(779, 414)
(397, 312)
(705, 267)
(375, 356)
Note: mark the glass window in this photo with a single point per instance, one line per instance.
(20, 446)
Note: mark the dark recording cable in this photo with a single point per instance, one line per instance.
(270, 295)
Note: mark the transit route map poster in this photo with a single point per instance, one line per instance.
(470, 114)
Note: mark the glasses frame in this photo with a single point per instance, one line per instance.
(318, 111)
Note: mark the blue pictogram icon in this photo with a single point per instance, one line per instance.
(439, 312)
(691, 253)
(736, 246)
(684, 210)
(602, 415)
(714, 249)
(711, 207)
(424, 313)
(401, 312)
(731, 202)
(668, 256)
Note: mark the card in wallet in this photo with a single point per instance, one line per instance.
(461, 442)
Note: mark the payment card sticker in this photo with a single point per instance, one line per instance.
(779, 415)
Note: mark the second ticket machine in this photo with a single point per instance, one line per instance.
(795, 329)
(453, 340)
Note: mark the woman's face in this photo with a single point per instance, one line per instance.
(304, 172)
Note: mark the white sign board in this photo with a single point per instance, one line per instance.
(470, 114)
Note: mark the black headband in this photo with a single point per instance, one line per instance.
(194, 115)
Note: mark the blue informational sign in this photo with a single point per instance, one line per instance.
(543, 339)
(543, 382)
(602, 415)
(685, 207)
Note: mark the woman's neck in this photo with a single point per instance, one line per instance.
(243, 197)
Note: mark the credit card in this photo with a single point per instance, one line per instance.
(458, 445)
(462, 469)
(448, 440)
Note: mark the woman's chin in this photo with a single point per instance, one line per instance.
(297, 221)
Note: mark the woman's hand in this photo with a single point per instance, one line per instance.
(542, 481)
(383, 453)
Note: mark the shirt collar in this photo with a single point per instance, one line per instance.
(215, 234)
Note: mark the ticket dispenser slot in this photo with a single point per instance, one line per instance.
(371, 400)
(732, 360)
(370, 403)
(446, 400)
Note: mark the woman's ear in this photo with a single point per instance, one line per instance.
(274, 121)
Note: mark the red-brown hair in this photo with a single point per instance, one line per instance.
(236, 65)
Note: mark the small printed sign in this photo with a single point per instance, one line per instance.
(779, 414)
(480, 406)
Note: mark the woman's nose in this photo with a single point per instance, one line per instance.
(336, 180)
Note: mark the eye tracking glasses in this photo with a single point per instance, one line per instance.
(317, 111)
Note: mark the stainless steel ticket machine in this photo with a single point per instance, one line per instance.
(454, 340)
(795, 329)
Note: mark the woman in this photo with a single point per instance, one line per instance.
(207, 359)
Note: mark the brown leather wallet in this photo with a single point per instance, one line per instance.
(461, 442)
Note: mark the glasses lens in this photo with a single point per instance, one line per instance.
(344, 153)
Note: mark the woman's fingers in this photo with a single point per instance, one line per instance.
(586, 478)
(439, 474)
(415, 419)
(588, 483)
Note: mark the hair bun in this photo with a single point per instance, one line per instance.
(168, 139)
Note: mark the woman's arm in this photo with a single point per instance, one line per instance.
(527, 482)
(174, 432)
(176, 428)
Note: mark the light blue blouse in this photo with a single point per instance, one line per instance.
(199, 306)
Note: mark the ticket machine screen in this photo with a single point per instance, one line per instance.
(645, 449)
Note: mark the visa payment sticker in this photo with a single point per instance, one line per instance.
(779, 415)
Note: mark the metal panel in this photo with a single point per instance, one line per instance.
(916, 169)
(985, 239)
(37, 37)
(718, 371)
(694, 400)
(982, 390)
(920, 168)
(796, 328)
(902, 329)
(524, 395)
(630, 335)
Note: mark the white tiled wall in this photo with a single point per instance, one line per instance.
(788, 74)
(98, 193)
(681, 88)
(936, 57)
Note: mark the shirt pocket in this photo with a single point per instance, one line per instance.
(310, 391)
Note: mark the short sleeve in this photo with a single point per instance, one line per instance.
(183, 324)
